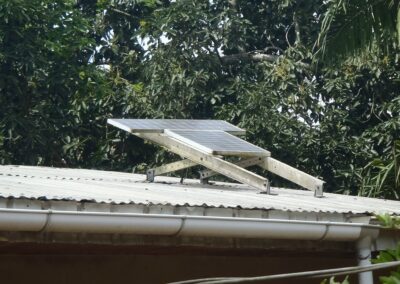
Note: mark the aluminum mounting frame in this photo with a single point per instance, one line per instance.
(160, 125)
(215, 164)
(280, 169)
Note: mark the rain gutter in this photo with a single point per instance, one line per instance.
(202, 226)
(180, 225)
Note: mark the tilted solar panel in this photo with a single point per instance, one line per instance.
(159, 125)
(217, 142)
(202, 142)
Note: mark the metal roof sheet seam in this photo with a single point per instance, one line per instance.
(43, 183)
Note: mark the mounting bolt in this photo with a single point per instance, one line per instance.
(204, 181)
(267, 187)
(150, 175)
(319, 192)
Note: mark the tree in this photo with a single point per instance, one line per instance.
(248, 63)
(365, 36)
(54, 102)
(350, 28)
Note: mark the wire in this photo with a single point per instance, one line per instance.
(307, 274)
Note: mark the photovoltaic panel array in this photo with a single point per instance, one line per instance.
(217, 143)
(159, 125)
(203, 142)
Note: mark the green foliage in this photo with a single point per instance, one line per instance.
(387, 256)
(66, 66)
(54, 102)
(389, 221)
(333, 281)
(351, 28)
(362, 109)
(43, 49)
(382, 176)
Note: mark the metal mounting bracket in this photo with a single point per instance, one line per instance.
(205, 174)
(211, 162)
(168, 168)
(294, 175)
(215, 165)
(206, 143)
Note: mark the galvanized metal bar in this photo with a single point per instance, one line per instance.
(204, 174)
(214, 163)
(167, 168)
(294, 175)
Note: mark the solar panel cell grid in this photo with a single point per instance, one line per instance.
(217, 143)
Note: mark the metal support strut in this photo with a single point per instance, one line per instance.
(211, 162)
(206, 143)
(216, 165)
(171, 167)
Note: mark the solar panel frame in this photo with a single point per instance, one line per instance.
(217, 142)
(199, 146)
(159, 125)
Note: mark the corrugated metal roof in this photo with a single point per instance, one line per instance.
(119, 188)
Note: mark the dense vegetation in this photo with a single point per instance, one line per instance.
(315, 82)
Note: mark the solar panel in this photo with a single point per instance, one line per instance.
(217, 142)
(202, 142)
(159, 125)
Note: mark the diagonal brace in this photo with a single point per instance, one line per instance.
(167, 168)
(205, 174)
(294, 175)
(211, 162)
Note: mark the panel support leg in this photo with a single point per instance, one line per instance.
(294, 175)
(150, 175)
(242, 163)
(204, 180)
(212, 162)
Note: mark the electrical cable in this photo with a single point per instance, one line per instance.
(306, 274)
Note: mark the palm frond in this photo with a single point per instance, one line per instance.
(354, 27)
(381, 177)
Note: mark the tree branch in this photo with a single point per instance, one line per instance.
(248, 56)
(233, 4)
(296, 29)
(287, 35)
(255, 56)
(122, 12)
